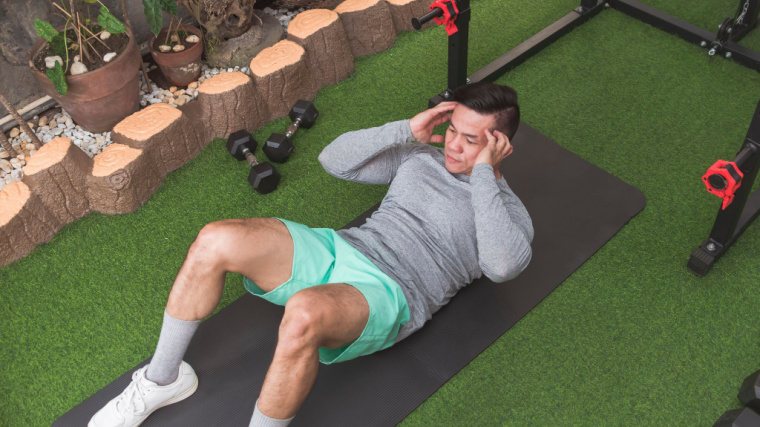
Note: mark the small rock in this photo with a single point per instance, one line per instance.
(15, 162)
(168, 93)
(43, 121)
(78, 68)
(178, 48)
(17, 174)
(180, 101)
(154, 101)
(77, 58)
(14, 132)
(50, 61)
(31, 126)
(143, 103)
(173, 89)
(193, 85)
(109, 56)
(53, 123)
(168, 99)
(47, 138)
(192, 39)
(57, 131)
(29, 146)
(229, 70)
(164, 48)
(4, 154)
(31, 152)
(174, 38)
(69, 123)
(105, 35)
(5, 166)
(214, 71)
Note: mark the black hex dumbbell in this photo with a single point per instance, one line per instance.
(263, 177)
(278, 147)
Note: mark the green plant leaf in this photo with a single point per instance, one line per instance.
(152, 9)
(91, 1)
(58, 79)
(45, 30)
(109, 22)
(169, 6)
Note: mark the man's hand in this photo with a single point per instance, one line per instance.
(496, 150)
(423, 123)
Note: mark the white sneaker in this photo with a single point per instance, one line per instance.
(142, 397)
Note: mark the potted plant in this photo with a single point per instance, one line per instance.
(177, 49)
(90, 66)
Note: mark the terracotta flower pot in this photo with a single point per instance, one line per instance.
(179, 68)
(99, 99)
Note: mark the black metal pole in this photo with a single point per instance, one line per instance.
(731, 222)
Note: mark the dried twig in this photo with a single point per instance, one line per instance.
(6, 145)
(21, 122)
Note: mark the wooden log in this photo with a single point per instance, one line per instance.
(158, 130)
(328, 52)
(123, 179)
(282, 77)
(25, 222)
(404, 10)
(368, 25)
(57, 173)
(229, 102)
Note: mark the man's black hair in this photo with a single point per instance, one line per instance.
(492, 99)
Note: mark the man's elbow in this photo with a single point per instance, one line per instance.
(509, 268)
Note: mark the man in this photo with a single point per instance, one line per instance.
(448, 218)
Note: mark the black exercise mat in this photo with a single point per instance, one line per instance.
(576, 208)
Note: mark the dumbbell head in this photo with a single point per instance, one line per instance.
(239, 140)
(278, 147)
(306, 111)
(264, 178)
(749, 392)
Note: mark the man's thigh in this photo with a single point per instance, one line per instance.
(259, 248)
(338, 311)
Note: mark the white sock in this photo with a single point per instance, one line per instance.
(172, 343)
(260, 420)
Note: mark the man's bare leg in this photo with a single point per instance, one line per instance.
(328, 316)
(259, 248)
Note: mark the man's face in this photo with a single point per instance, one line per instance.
(465, 138)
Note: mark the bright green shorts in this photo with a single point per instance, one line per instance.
(321, 256)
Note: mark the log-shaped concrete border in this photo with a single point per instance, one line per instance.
(62, 184)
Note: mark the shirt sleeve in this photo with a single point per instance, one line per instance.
(369, 156)
(504, 230)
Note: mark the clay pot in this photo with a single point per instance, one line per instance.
(179, 68)
(99, 99)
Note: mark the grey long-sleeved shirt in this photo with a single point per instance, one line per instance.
(435, 231)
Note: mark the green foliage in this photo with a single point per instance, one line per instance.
(45, 30)
(59, 44)
(58, 78)
(109, 22)
(153, 9)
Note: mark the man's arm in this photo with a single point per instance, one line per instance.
(503, 227)
(369, 156)
(372, 156)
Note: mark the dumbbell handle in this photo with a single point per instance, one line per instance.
(250, 157)
(293, 127)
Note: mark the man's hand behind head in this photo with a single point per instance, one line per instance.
(425, 122)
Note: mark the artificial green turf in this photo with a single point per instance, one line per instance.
(631, 338)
